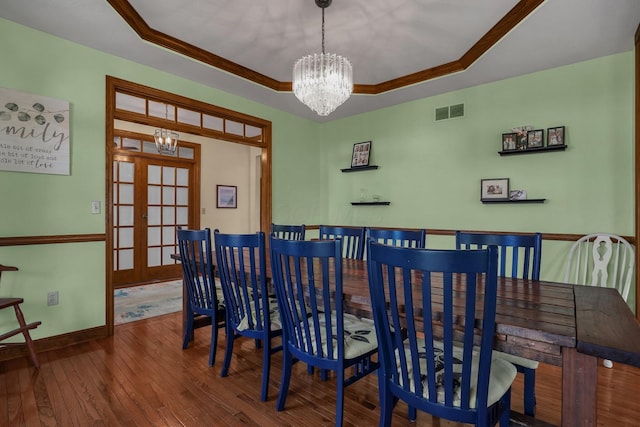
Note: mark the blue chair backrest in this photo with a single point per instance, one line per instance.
(396, 237)
(196, 258)
(242, 270)
(408, 285)
(522, 252)
(353, 239)
(307, 276)
(289, 232)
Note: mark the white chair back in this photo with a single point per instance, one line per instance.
(601, 259)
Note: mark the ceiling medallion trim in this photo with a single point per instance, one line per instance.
(516, 15)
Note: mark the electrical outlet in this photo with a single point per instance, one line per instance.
(52, 298)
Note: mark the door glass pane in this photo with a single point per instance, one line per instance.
(130, 103)
(168, 175)
(182, 216)
(182, 196)
(185, 153)
(126, 194)
(153, 236)
(126, 172)
(126, 237)
(126, 215)
(126, 259)
(153, 257)
(182, 176)
(168, 196)
(153, 215)
(167, 251)
(168, 215)
(131, 144)
(154, 175)
(168, 235)
(153, 195)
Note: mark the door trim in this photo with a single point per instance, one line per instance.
(262, 141)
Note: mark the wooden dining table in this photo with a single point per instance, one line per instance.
(561, 324)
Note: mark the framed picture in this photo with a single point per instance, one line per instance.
(227, 196)
(360, 155)
(494, 189)
(535, 138)
(555, 136)
(518, 195)
(509, 141)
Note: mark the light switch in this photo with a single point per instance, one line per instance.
(95, 207)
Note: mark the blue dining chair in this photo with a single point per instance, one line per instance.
(398, 237)
(307, 276)
(204, 298)
(436, 366)
(519, 257)
(287, 231)
(353, 239)
(251, 312)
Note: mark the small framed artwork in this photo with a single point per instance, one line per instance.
(494, 189)
(227, 196)
(360, 156)
(555, 136)
(509, 141)
(535, 138)
(518, 195)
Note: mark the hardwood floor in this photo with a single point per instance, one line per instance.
(142, 377)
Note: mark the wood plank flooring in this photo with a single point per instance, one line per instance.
(142, 377)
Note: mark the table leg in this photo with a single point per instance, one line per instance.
(579, 386)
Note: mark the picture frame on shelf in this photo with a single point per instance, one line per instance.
(360, 155)
(555, 136)
(494, 189)
(509, 141)
(518, 195)
(227, 196)
(535, 138)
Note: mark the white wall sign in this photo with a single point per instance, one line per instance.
(34, 133)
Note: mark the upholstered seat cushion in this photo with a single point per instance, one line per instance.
(359, 335)
(274, 316)
(516, 360)
(502, 375)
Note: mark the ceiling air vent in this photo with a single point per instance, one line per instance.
(450, 112)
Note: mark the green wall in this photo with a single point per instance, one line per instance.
(38, 204)
(429, 171)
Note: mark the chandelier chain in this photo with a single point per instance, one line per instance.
(323, 30)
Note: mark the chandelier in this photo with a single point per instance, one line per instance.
(166, 140)
(323, 81)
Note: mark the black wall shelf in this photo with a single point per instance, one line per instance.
(360, 168)
(489, 202)
(533, 150)
(370, 203)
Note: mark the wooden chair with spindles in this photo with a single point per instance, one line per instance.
(23, 327)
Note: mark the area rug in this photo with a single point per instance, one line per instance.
(142, 302)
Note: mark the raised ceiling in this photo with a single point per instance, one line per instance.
(400, 49)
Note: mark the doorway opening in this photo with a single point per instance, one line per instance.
(149, 194)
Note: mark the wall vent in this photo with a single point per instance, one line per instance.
(442, 113)
(450, 112)
(456, 110)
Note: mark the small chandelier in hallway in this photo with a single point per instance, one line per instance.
(166, 140)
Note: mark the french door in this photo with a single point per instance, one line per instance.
(151, 197)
